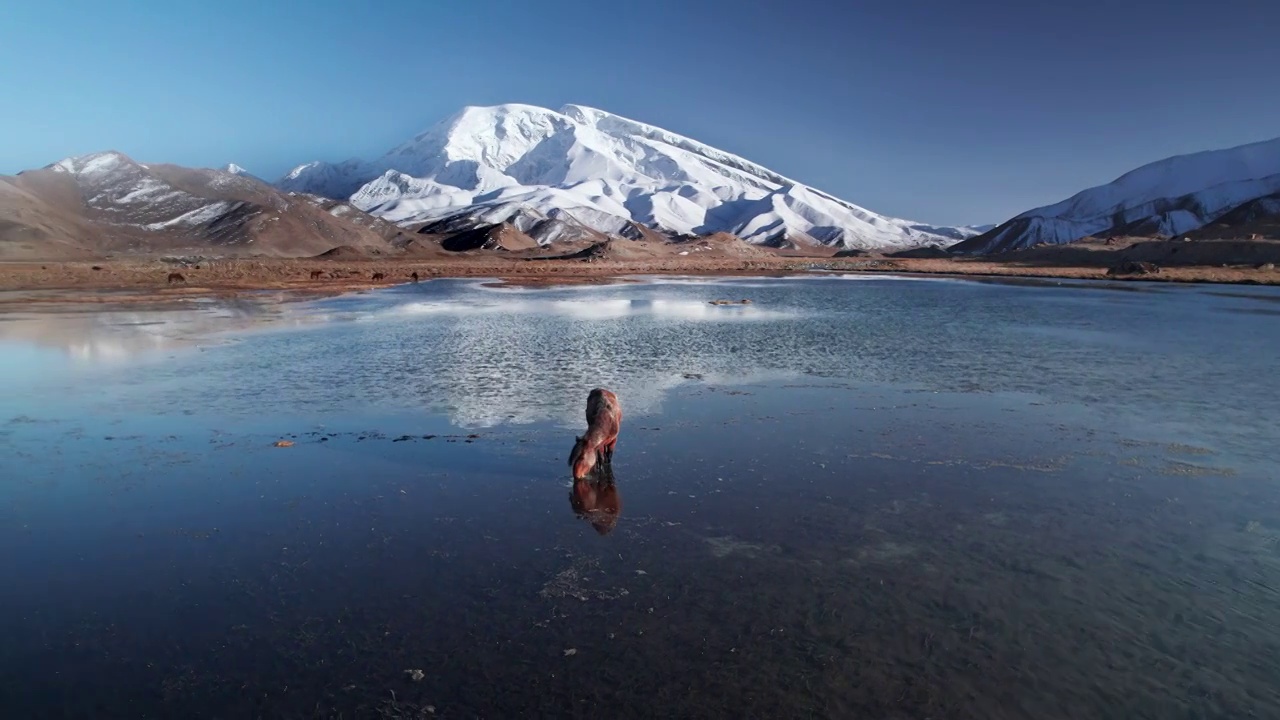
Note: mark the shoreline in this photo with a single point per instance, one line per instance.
(127, 282)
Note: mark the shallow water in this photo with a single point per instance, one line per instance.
(856, 496)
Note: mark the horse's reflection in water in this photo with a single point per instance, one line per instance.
(594, 498)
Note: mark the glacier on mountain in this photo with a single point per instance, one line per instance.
(1168, 197)
(600, 171)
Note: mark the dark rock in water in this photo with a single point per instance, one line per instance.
(1134, 267)
(729, 302)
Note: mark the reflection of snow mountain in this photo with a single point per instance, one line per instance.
(490, 395)
(502, 358)
(127, 334)
(481, 356)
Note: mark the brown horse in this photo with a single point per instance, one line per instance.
(176, 277)
(414, 276)
(595, 499)
(379, 276)
(604, 421)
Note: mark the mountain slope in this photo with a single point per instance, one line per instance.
(106, 202)
(1168, 197)
(1257, 218)
(486, 165)
(35, 221)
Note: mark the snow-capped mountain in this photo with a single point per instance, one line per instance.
(1169, 197)
(235, 169)
(120, 191)
(587, 169)
(106, 202)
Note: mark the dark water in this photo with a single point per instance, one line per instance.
(853, 498)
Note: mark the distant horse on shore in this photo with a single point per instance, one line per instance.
(414, 276)
(176, 278)
(379, 276)
(604, 421)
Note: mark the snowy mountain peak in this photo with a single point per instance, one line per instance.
(106, 202)
(302, 170)
(99, 163)
(603, 169)
(1171, 178)
(1167, 197)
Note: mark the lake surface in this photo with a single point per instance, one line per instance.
(854, 497)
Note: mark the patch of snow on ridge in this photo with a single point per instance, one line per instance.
(149, 190)
(199, 216)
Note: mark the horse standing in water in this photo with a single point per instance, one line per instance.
(604, 420)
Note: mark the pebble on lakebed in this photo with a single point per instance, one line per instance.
(283, 443)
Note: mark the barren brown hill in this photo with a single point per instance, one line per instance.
(502, 236)
(1179, 252)
(1205, 253)
(40, 218)
(928, 252)
(726, 246)
(107, 204)
(344, 252)
(423, 247)
(720, 246)
(851, 253)
(636, 231)
(615, 251)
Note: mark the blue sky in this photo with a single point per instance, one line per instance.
(938, 111)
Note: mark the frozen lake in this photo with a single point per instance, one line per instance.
(854, 497)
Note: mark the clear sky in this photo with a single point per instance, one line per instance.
(939, 111)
